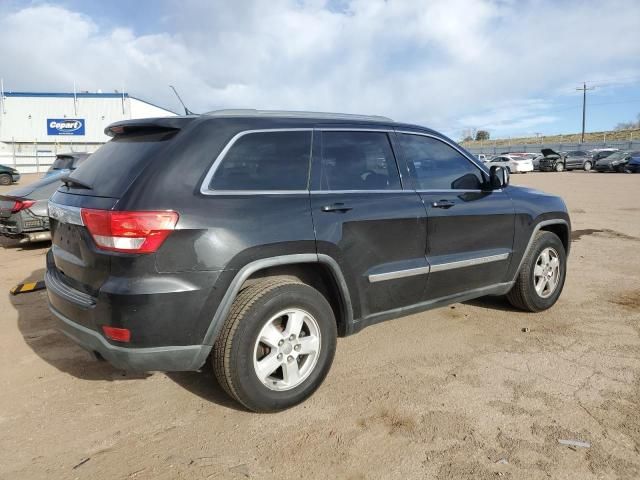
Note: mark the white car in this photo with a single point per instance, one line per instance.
(513, 164)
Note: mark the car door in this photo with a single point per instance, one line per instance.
(469, 228)
(366, 221)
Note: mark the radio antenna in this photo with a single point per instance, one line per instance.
(186, 110)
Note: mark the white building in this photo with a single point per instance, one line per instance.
(35, 126)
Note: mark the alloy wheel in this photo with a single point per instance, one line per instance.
(546, 272)
(287, 349)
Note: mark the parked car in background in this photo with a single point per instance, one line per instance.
(633, 165)
(600, 153)
(23, 211)
(482, 157)
(616, 162)
(536, 161)
(512, 164)
(8, 175)
(558, 162)
(66, 162)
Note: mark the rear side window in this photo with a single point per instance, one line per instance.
(357, 161)
(275, 161)
(437, 166)
(115, 165)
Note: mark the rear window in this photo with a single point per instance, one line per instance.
(114, 166)
(62, 163)
(274, 161)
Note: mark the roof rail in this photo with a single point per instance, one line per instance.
(252, 112)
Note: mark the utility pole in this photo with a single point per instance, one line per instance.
(584, 106)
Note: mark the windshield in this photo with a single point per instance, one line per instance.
(616, 156)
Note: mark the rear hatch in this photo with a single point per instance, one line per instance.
(98, 184)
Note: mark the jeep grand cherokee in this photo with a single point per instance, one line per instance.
(256, 238)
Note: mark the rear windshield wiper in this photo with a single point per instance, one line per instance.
(69, 181)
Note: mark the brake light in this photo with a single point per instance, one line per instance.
(21, 205)
(117, 334)
(129, 232)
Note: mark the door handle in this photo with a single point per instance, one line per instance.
(336, 207)
(443, 204)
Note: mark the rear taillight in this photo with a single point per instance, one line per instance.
(21, 205)
(129, 232)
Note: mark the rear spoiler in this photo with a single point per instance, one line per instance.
(148, 125)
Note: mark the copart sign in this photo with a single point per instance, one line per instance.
(65, 126)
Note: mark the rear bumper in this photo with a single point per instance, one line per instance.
(26, 226)
(165, 359)
(167, 328)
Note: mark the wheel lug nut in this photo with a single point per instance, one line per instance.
(292, 337)
(280, 343)
(279, 357)
(297, 348)
(289, 358)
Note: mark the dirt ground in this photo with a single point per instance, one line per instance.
(463, 392)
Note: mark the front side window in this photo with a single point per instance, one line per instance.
(357, 161)
(437, 166)
(276, 161)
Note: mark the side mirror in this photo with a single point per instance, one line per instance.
(498, 177)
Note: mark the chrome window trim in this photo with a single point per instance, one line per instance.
(355, 129)
(325, 192)
(65, 213)
(204, 187)
(441, 267)
(438, 267)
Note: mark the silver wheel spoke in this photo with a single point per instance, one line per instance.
(537, 270)
(554, 262)
(545, 257)
(294, 323)
(270, 335)
(309, 345)
(267, 365)
(291, 373)
(540, 284)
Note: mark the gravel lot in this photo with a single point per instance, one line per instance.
(455, 393)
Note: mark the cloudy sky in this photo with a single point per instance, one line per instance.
(504, 65)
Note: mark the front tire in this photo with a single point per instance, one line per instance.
(276, 346)
(559, 167)
(587, 166)
(542, 274)
(5, 179)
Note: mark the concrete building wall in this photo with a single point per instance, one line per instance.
(35, 126)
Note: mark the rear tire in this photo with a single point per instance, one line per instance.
(258, 357)
(559, 167)
(529, 293)
(587, 166)
(5, 179)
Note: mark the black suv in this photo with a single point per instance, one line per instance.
(256, 238)
(573, 160)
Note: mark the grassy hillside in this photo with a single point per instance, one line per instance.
(620, 135)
